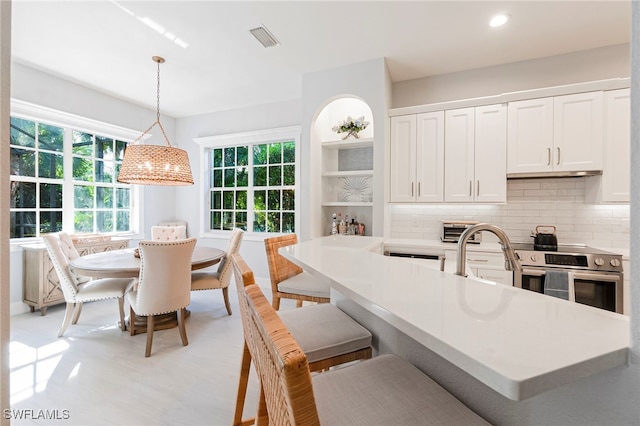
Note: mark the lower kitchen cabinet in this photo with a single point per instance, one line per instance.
(41, 287)
(481, 264)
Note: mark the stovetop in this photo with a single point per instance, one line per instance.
(569, 257)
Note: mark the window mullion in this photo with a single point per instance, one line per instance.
(67, 185)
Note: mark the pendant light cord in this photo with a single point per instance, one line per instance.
(158, 60)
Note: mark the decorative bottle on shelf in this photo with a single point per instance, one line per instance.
(334, 225)
(342, 227)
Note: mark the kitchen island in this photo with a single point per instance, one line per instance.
(470, 336)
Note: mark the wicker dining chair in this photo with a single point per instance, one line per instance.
(383, 390)
(164, 285)
(220, 277)
(76, 289)
(329, 336)
(288, 280)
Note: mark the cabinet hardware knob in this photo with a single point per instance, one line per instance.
(548, 156)
(558, 163)
(470, 188)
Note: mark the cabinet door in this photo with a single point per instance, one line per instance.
(577, 132)
(617, 129)
(530, 135)
(402, 159)
(430, 157)
(459, 155)
(491, 154)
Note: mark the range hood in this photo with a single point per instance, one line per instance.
(552, 174)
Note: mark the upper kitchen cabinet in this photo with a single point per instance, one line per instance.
(614, 184)
(556, 134)
(417, 158)
(475, 155)
(616, 169)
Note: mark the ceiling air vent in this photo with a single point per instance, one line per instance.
(264, 37)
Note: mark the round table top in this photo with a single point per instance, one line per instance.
(123, 264)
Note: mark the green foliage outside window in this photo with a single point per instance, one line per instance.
(38, 179)
(253, 192)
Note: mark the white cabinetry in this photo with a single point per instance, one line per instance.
(560, 134)
(417, 158)
(617, 129)
(482, 264)
(41, 286)
(475, 154)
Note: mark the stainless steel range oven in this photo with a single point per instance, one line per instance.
(594, 276)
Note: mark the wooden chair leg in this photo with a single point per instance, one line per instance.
(132, 321)
(298, 303)
(150, 324)
(123, 327)
(181, 326)
(262, 418)
(76, 313)
(225, 294)
(276, 302)
(245, 368)
(68, 313)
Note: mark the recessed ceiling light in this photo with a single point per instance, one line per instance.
(499, 20)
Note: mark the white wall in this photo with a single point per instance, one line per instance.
(367, 81)
(189, 198)
(577, 67)
(39, 88)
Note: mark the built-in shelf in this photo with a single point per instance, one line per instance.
(347, 204)
(347, 173)
(348, 144)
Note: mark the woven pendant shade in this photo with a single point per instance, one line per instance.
(155, 165)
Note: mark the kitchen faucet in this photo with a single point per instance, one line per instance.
(511, 260)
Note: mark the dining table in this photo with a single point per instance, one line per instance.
(125, 263)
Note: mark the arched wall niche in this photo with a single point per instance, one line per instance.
(327, 195)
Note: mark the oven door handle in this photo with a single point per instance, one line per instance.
(595, 277)
(533, 272)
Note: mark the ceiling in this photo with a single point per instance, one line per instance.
(213, 63)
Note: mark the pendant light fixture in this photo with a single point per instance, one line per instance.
(155, 164)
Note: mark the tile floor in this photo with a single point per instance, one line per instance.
(98, 375)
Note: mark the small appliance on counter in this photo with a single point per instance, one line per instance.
(451, 231)
(544, 238)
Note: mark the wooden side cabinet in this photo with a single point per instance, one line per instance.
(41, 287)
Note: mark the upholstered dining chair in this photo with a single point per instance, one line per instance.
(220, 277)
(164, 284)
(383, 390)
(328, 336)
(168, 233)
(288, 280)
(76, 289)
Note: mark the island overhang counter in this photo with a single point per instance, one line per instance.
(518, 343)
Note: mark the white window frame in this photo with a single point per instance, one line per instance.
(40, 114)
(208, 143)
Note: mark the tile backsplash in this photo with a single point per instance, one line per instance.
(530, 202)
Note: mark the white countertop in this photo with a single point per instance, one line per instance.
(517, 342)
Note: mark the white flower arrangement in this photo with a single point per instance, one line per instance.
(351, 126)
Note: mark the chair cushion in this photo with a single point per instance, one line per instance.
(324, 331)
(386, 390)
(205, 280)
(305, 284)
(104, 288)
